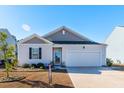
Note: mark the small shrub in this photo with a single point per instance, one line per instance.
(109, 62)
(26, 65)
(33, 65)
(40, 65)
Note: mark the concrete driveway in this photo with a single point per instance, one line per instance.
(96, 77)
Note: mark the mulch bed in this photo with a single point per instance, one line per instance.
(38, 79)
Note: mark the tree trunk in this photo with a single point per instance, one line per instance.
(7, 74)
(6, 64)
(7, 69)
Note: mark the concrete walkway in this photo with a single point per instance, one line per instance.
(100, 77)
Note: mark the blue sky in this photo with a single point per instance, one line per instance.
(95, 22)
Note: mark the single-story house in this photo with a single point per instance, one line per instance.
(62, 46)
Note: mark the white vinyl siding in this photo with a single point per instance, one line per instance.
(24, 55)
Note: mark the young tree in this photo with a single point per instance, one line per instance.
(7, 52)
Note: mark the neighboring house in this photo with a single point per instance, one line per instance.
(115, 41)
(62, 46)
(11, 40)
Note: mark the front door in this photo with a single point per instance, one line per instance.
(57, 56)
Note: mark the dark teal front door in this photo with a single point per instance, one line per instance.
(57, 56)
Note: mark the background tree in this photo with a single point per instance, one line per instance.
(7, 53)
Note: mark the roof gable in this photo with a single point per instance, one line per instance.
(34, 39)
(65, 34)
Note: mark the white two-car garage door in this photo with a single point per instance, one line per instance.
(79, 58)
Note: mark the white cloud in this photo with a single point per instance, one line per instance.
(26, 27)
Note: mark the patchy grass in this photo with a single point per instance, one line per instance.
(38, 79)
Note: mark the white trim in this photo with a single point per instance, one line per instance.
(32, 36)
(69, 30)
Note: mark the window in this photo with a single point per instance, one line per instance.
(34, 53)
(63, 32)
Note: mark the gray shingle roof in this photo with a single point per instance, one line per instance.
(75, 42)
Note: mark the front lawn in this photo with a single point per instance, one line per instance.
(38, 79)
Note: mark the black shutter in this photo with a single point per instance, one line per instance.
(40, 51)
(30, 53)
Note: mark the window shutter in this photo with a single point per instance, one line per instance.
(40, 51)
(30, 53)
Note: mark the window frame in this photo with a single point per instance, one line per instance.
(35, 53)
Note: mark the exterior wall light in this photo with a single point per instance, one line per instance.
(83, 47)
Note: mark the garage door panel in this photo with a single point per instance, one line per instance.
(83, 59)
